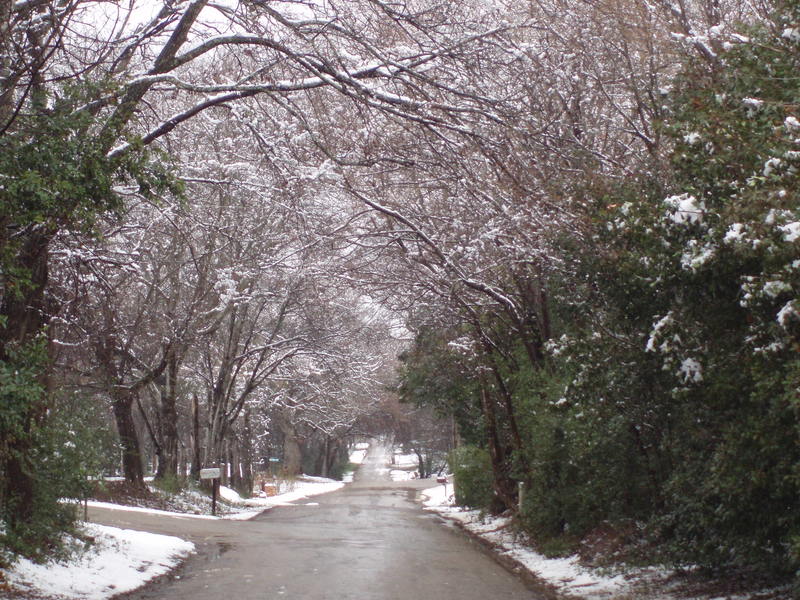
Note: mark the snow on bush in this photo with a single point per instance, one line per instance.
(684, 209)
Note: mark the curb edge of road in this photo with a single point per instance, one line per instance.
(174, 573)
(546, 590)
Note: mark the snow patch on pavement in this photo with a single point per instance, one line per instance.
(121, 560)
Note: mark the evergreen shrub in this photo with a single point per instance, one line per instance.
(472, 469)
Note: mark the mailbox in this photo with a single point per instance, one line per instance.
(441, 480)
(209, 473)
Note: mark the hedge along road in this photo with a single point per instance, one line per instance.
(367, 541)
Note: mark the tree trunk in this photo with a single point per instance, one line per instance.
(247, 475)
(168, 421)
(224, 461)
(292, 450)
(503, 485)
(325, 466)
(156, 445)
(197, 455)
(25, 311)
(423, 472)
(23, 316)
(18, 488)
(235, 480)
(247, 455)
(129, 440)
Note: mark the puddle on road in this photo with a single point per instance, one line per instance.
(217, 550)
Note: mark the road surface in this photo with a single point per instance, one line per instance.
(368, 541)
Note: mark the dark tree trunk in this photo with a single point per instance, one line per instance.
(197, 454)
(129, 440)
(25, 317)
(503, 485)
(235, 481)
(423, 470)
(292, 450)
(26, 310)
(168, 423)
(153, 438)
(18, 488)
(247, 455)
(247, 476)
(331, 455)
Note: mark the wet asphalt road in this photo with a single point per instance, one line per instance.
(368, 541)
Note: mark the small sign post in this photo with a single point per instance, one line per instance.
(212, 474)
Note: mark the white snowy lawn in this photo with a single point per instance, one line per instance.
(303, 487)
(563, 573)
(122, 559)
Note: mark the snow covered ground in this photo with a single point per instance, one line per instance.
(122, 559)
(565, 574)
(405, 466)
(405, 460)
(298, 489)
(119, 561)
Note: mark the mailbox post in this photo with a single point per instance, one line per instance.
(212, 474)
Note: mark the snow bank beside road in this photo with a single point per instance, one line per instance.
(123, 560)
(565, 574)
(241, 508)
(120, 561)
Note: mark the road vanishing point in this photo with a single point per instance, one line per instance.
(368, 541)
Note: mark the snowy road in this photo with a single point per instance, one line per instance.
(368, 541)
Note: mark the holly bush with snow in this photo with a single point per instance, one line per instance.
(668, 401)
(682, 409)
(56, 175)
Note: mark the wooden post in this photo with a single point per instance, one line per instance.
(212, 474)
(214, 488)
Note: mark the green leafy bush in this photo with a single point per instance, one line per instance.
(58, 451)
(472, 469)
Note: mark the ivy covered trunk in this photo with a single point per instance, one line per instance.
(23, 313)
(22, 370)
